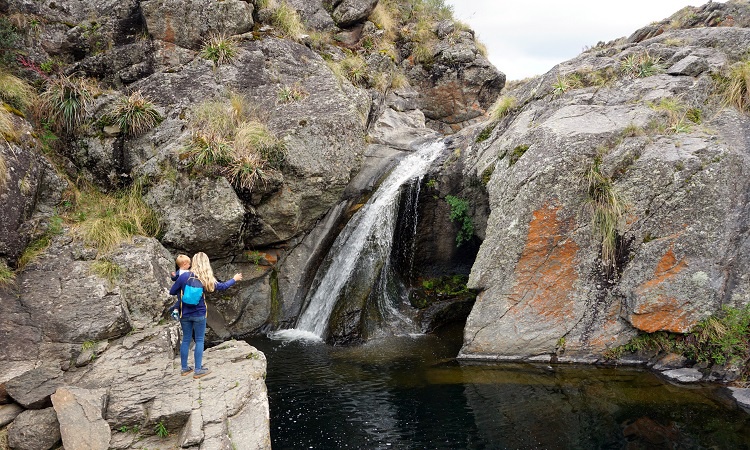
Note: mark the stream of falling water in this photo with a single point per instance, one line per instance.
(365, 240)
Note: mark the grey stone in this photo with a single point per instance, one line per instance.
(8, 413)
(741, 395)
(80, 413)
(670, 361)
(187, 23)
(690, 65)
(685, 375)
(34, 430)
(348, 12)
(32, 390)
(400, 130)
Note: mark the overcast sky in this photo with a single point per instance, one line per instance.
(528, 37)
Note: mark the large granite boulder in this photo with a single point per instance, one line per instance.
(80, 413)
(60, 303)
(187, 23)
(34, 430)
(459, 84)
(226, 408)
(33, 389)
(349, 12)
(679, 254)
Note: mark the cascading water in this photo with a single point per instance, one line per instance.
(361, 251)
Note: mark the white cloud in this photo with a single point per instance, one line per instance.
(529, 37)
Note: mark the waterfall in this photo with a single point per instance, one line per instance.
(361, 250)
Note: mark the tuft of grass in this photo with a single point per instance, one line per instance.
(67, 100)
(16, 92)
(735, 88)
(289, 94)
(355, 69)
(641, 65)
(502, 107)
(607, 207)
(4, 174)
(565, 83)
(7, 276)
(677, 114)
(227, 141)
(287, 20)
(516, 154)
(107, 270)
(104, 221)
(161, 430)
(135, 114)
(8, 131)
(383, 16)
(219, 48)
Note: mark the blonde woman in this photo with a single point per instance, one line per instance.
(190, 289)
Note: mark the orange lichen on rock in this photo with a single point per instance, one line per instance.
(655, 310)
(546, 272)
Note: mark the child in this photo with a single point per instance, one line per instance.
(182, 264)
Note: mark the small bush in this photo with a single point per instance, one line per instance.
(502, 107)
(67, 100)
(135, 114)
(219, 48)
(460, 213)
(286, 19)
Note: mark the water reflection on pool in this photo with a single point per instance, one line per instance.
(409, 393)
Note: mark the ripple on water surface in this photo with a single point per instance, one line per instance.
(408, 393)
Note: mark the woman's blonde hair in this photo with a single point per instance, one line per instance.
(202, 269)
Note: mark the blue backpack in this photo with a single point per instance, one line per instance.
(193, 290)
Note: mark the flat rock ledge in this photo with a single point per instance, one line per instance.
(133, 397)
(742, 397)
(685, 375)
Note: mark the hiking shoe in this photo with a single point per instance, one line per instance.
(202, 372)
(184, 372)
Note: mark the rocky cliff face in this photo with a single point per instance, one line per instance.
(617, 194)
(304, 104)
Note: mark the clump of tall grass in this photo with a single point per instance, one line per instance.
(135, 114)
(104, 221)
(16, 92)
(735, 88)
(607, 207)
(107, 269)
(502, 107)
(67, 100)
(229, 142)
(219, 48)
(8, 131)
(287, 20)
(7, 276)
(641, 65)
(4, 174)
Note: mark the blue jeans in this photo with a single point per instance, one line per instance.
(192, 327)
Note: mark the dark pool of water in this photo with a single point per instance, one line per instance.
(409, 393)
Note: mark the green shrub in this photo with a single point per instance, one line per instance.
(8, 37)
(135, 114)
(460, 213)
(219, 48)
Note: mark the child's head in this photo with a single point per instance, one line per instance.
(183, 261)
